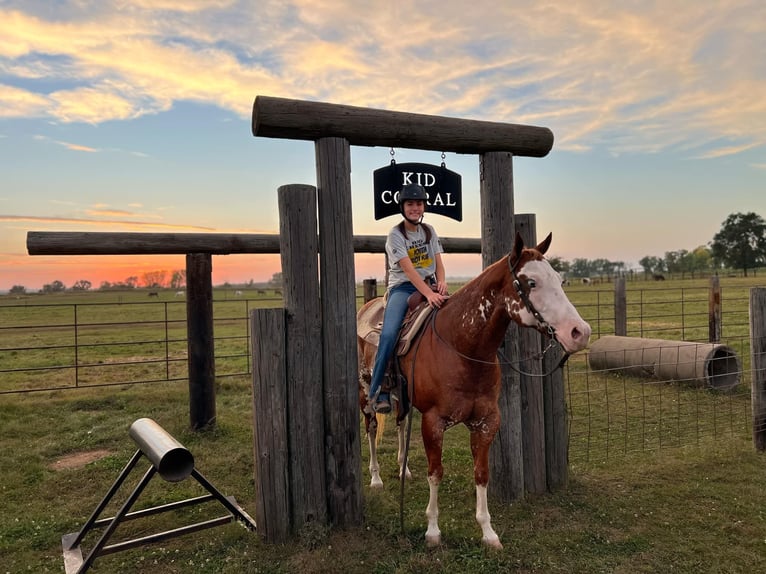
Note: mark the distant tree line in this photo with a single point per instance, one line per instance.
(739, 244)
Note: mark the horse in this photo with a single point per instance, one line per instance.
(453, 371)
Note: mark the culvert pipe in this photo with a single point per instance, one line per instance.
(712, 365)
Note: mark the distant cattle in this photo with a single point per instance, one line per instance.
(179, 293)
(586, 280)
(154, 294)
(238, 293)
(658, 277)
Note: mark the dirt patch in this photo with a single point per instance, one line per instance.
(79, 459)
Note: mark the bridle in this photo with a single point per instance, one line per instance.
(550, 330)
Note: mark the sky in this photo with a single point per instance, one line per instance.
(120, 115)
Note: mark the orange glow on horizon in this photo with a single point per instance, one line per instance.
(33, 272)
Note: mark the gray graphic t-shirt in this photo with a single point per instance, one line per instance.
(414, 246)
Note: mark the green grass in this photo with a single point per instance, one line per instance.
(663, 477)
(693, 509)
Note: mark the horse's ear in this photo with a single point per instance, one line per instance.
(545, 244)
(518, 245)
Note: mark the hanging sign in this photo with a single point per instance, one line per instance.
(444, 188)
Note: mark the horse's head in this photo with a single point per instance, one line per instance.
(543, 303)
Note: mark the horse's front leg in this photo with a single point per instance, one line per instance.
(481, 437)
(432, 429)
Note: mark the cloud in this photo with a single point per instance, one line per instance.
(102, 222)
(638, 78)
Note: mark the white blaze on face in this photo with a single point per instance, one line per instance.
(547, 296)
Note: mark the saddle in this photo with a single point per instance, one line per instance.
(368, 328)
(371, 322)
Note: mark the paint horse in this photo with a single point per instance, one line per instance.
(453, 369)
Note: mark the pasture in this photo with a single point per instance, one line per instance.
(681, 506)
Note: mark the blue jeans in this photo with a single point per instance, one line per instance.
(396, 309)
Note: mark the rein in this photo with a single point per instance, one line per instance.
(550, 331)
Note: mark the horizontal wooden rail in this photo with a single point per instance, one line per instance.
(302, 120)
(119, 243)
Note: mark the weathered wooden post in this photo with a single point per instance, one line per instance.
(497, 223)
(758, 364)
(532, 401)
(370, 289)
(714, 310)
(620, 307)
(303, 354)
(270, 437)
(343, 453)
(201, 357)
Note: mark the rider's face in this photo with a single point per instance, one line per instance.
(413, 209)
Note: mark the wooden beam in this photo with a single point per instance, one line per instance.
(302, 120)
(127, 243)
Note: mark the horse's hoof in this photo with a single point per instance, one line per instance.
(493, 543)
(407, 475)
(376, 483)
(433, 540)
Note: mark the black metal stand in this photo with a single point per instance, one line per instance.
(73, 560)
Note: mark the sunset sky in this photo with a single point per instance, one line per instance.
(136, 116)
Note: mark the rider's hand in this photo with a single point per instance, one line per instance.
(435, 300)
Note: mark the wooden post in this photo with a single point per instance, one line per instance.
(343, 456)
(714, 310)
(620, 308)
(506, 466)
(303, 352)
(270, 435)
(758, 364)
(532, 405)
(201, 355)
(556, 429)
(370, 289)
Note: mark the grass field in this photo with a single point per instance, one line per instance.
(701, 509)
(696, 507)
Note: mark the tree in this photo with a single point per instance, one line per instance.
(741, 242)
(178, 279)
(82, 285)
(55, 287)
(154, 279)
(559, 264)
(276, 279)
(652, 264)
(18, 290)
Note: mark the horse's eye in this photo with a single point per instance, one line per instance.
(532, 284)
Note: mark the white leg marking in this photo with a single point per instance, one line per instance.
(489, 537)
(433, 534)
(376, 481)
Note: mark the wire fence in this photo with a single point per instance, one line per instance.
(60, 346)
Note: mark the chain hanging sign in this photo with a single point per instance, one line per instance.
(444, 188)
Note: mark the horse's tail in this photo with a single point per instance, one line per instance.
(381, 420)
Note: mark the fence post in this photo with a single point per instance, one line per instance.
(714, 310)
(532, 400)
(270, 435)
(620, 307)
(201, 354)
(370, 289)
(758, 364)
(303, 352)
(343, 450)
(506, 461)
